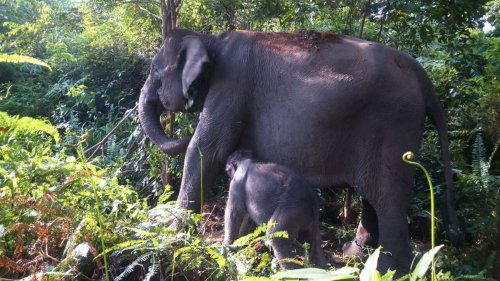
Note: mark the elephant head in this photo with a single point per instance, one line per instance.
(175, 83)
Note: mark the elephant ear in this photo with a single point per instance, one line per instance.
(196, 56)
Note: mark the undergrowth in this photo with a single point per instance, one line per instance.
(48, 197)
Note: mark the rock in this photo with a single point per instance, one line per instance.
(83, 258)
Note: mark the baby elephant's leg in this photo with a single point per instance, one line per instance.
(285, 249)
(310, 233)
(247, 226)
(233, 217)
(317, 254)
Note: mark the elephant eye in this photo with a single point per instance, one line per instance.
(181, 58)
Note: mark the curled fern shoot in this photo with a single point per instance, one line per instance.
(407, 158)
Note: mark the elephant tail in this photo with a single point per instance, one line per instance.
(435, 111)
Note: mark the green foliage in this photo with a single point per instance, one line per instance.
(45, 193)
(165, 251)
(368, 273)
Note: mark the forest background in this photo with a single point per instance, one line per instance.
(75, 166)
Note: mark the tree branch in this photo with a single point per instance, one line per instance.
(92, 150)
(149, 12)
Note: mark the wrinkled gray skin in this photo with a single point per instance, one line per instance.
(266, 192)
(336, 109)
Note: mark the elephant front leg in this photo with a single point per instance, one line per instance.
(216, 136)
(234, 217)
(198, 175)
(366, 234)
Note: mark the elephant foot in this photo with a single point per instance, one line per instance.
(387, 262)
(353, 249)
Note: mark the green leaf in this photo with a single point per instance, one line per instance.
(369, 272)
(389, 275)
(424, 263)
(22, 59)
(131, 244)
(142, 233)
(249, 238)
(345, 273)
(221, 261)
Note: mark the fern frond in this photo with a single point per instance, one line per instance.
(111, 147)
(218, 257)
(130, 268)
(119, 248)
(247, 239)
(22, 59)
(142, 233)
(27, 125)
(278, 234)
(480, 165)
(153, 269)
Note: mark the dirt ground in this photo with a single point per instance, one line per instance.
(212, 227)
(334, 231)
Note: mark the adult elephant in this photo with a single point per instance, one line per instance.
(337, 109)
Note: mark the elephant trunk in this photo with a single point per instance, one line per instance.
(150, 109)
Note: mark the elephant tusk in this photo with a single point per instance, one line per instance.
(189, 103)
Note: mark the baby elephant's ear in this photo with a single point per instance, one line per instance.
(231, 168)
(195, 57)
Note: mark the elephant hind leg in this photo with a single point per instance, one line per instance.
(247, 226)
(392, 211)
(284, 249)
(394, 239)
(317, 254)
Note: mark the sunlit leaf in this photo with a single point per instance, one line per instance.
(369, 272)
(22, 59)
(346, 273)
(424, 263)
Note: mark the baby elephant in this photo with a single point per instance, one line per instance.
(261, 192)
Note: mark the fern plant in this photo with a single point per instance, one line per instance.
(480, 162)
(13, 126)
(22, 59)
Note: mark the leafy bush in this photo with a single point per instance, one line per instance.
(46, 193)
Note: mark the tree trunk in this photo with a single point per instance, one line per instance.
(366, 11)
(387, 7)
(169, 13)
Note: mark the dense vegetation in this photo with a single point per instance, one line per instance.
(64, 180)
